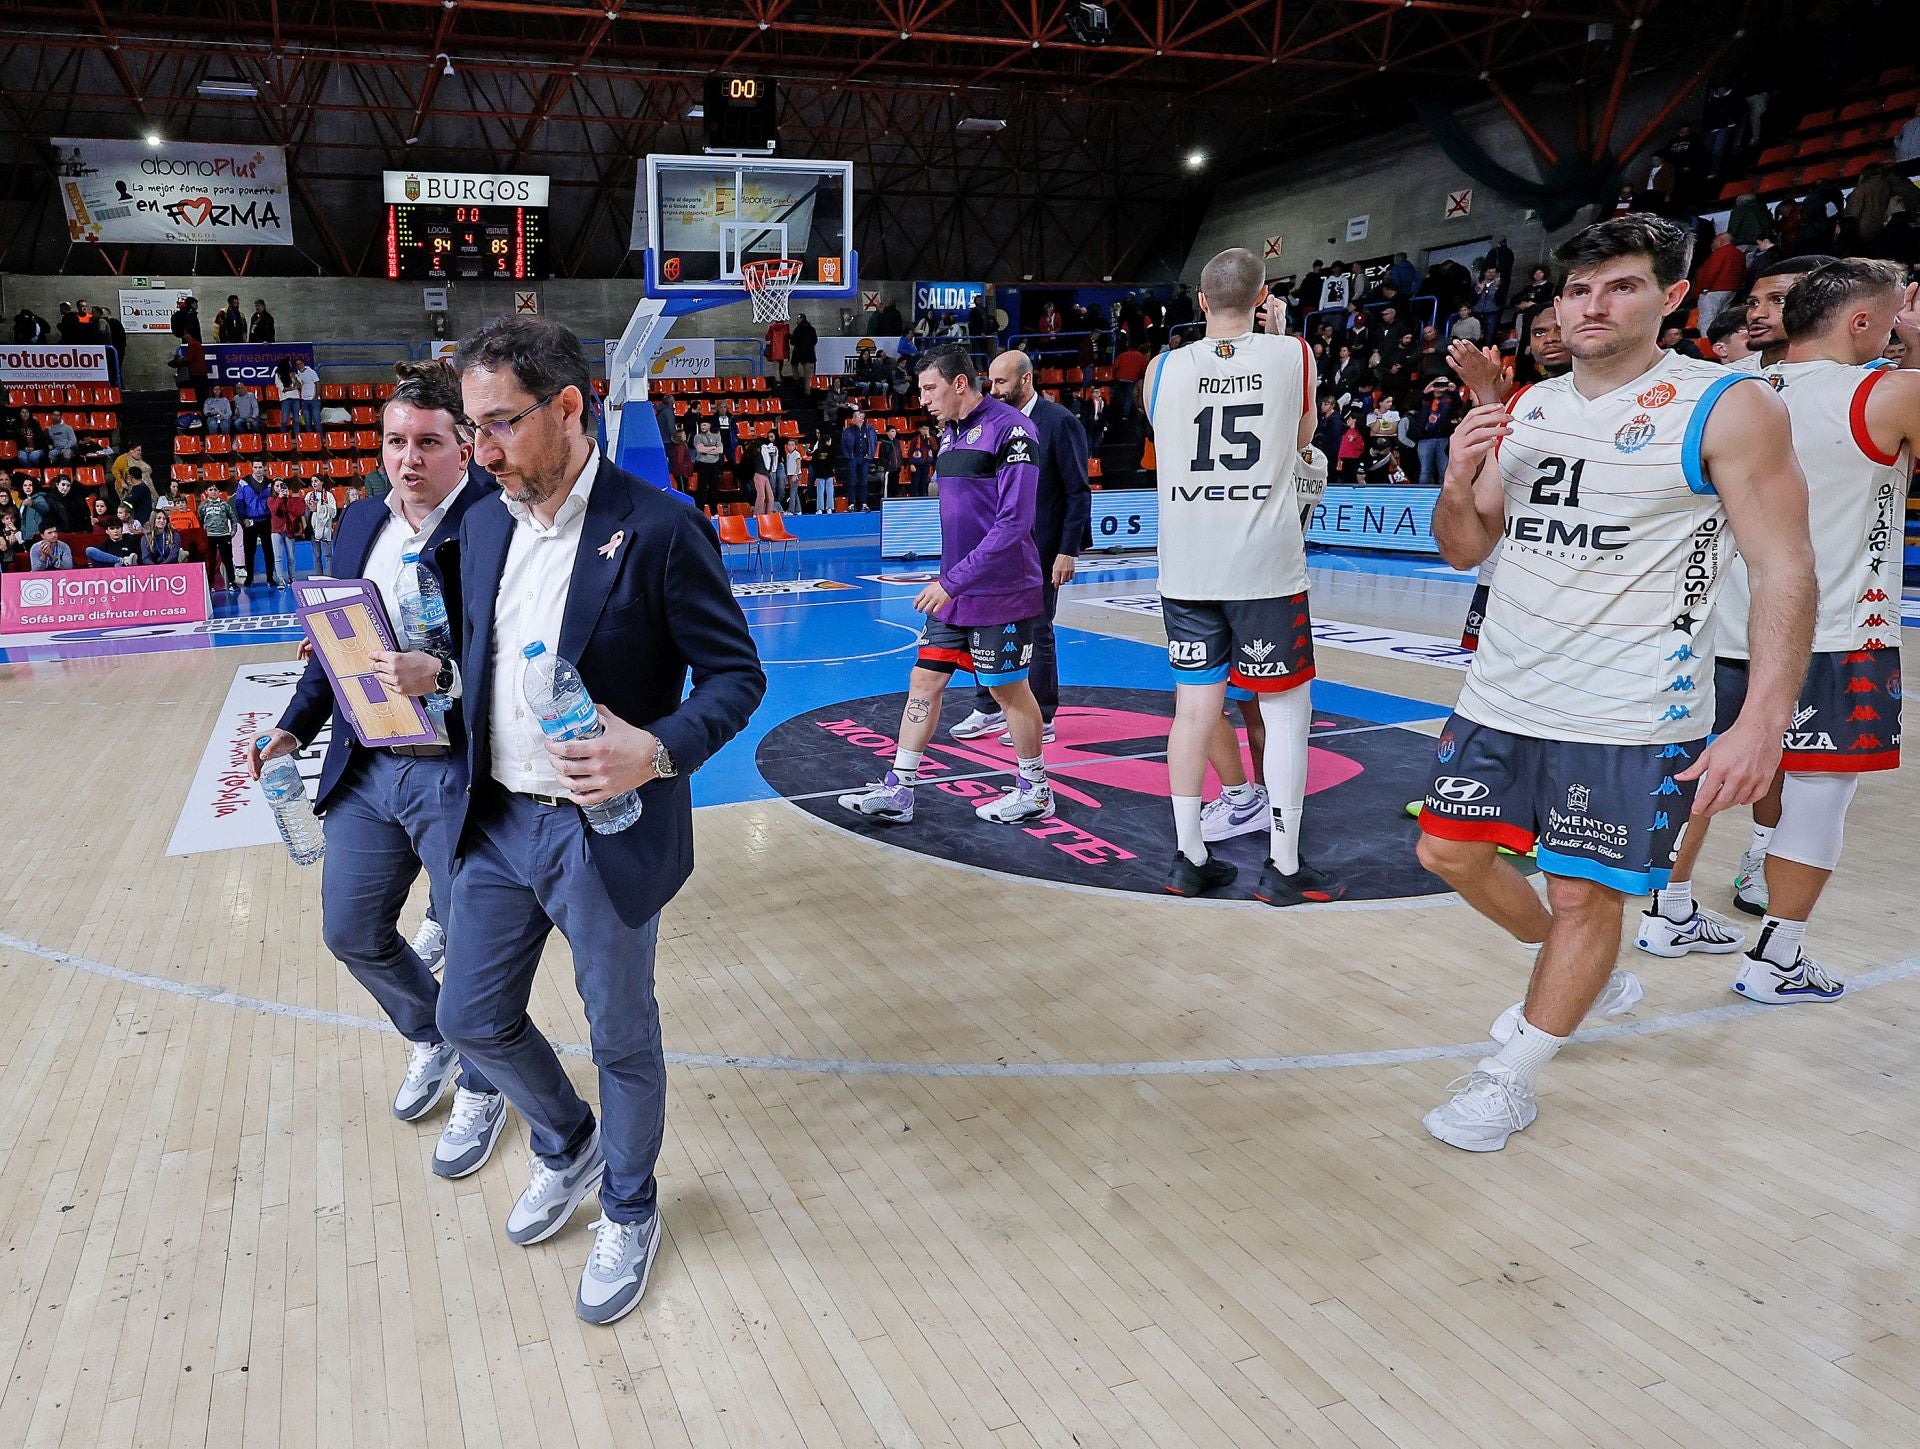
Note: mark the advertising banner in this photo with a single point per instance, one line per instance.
(686, 357)
(1387, 518)
(842, 354)
(93, 598)
(945, 296)
(184, 192)
(151, 309)
(60, 362)
(461, 188)
(251, 364)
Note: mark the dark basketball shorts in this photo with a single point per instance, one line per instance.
(1476, 615)
(1846, 720)
(993, 653)
(1606, 813)
(1262, 645)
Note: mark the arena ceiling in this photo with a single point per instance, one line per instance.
(1088, 178)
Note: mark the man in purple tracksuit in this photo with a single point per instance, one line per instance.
(982, 611)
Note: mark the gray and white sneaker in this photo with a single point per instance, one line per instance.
(1046, 736)
(617, 1269)
(978, 725)
(1705, 931)
(1621, 994)
(430, 1069)
(1750, 883)
(553, 1193)
(1222, 819)
(473, 1127)
(430, 945)
(1489, 1105)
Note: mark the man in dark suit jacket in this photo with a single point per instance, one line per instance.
(626, 582)
(1062, 512)
(389, 811)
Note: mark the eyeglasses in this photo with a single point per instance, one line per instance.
(499, 431)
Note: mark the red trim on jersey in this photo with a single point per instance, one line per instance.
(1469, 641)
(1269, 686)
(1836, 762)
(1306, 366)
(1857, 418)
(958, 658)
(1483, 832)
(1512, 406)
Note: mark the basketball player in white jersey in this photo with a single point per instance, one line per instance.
(1854, 432)
(1766, 302)
(1230, 413)
(1583, 720)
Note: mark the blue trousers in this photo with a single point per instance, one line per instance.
(857, 470)
(1433, 461)
(391, 815)
(524, 870)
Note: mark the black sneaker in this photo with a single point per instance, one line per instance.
(1184, 878)
(1304, 885)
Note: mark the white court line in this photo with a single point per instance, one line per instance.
(839, 1066)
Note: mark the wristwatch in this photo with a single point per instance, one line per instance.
(443, 681)
(663, 765)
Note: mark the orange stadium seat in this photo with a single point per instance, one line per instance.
(217, 445)
(186, 445)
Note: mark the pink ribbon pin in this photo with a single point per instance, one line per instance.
(612, 546)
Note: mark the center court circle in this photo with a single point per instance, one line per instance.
(1113, 827)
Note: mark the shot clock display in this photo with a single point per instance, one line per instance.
(443, 226)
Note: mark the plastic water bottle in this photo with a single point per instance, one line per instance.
(286, 792)
(423, 620)
(559, 701)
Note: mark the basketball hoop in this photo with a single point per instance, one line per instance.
(770, 285)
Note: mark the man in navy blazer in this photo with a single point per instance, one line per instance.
(625, 581)
(1062, 510)
(389, 811)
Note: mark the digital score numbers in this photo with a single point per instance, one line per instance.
(439, 243)
(741, 113)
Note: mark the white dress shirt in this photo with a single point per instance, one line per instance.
(397, 538)
(530, 604)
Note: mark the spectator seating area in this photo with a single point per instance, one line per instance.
(1837, 142)
(338, 452)
(92, 408)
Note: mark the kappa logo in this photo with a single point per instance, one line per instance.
(1681, 655)
(1577, 797)
(1874, 596)
(1682, 684)
(1658, 396)
(1459, 789)
(1538, 415)
(1019, 447)
(1258, 650)
(1635, 433)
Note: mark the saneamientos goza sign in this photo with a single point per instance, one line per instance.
(182, 192)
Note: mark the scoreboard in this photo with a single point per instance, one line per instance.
(443, 242)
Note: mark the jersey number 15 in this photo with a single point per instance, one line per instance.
(1232, 434)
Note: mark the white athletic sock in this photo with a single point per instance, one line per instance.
(906, 764)
(1675, 902)
(1186, 828)
(1532, 948)
(1034, 771)
(1288, 717)
(1239, 794)
(1762, 838)
(1528, 1050)
(1780, 940)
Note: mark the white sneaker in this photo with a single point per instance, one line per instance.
(472, 1131)
(1025, 801)
(1046, 736)
(1489, 1105)
(1707, 932)
(552, 1193)
(1623, 993)
(888, 800)
(1221, 819)
(430, 1069)
(1805, 980)
(617, 1269)
(430, 945)
(1750, 883)
(979, 725)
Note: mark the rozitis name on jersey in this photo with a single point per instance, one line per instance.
(1253, 382)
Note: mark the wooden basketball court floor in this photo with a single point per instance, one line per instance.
(952, 1157)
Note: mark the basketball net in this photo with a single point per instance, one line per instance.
(770, 285)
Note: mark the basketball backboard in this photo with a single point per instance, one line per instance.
(707, 215)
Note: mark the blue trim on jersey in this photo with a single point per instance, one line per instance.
(1877, 365)
(1627, 882)
(1695, 475)
(1011, 676)
(1154, 396)
(1203, 676)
